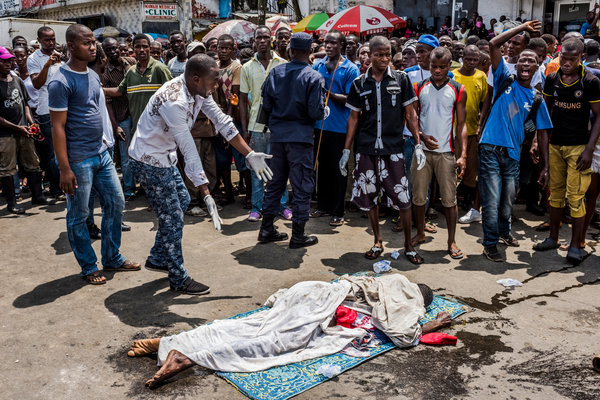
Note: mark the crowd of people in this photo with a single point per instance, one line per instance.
(393, 124)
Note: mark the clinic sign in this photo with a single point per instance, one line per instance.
(160, 11)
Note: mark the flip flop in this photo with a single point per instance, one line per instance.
(95, 274)
(547, 244)
(430, 228)
(414, 257)
(456, 254)
(374, 252)
(397, 228)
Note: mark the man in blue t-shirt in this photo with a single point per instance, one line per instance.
(74, 103)
(500, 143)
(330, 134)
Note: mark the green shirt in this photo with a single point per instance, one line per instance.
(251, 81)
(141, 86)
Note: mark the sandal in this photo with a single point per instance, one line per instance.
(575, 256)
(94, 278)
(397, 228)
(543, 227)
(318, 214)
(430, 228)
(547, 244)
(414, 257)
(126, 266)
(456, 254)
(374, 252)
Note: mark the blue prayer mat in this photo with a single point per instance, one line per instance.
(283, 382)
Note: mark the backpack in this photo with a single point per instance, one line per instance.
(529, 124)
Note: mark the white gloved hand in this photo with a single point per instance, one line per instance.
(256, 161)
(326, 112)
(344, 162)
(420, 154)
(212, 210)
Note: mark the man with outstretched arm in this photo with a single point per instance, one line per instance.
(381, 100)
(502, 137)
(164, 127)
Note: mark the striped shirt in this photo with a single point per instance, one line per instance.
(112, 77)
(139, 87)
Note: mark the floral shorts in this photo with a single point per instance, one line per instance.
(383, 176)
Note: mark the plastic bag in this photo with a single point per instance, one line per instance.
(509, 283)
(329, 370)
(382, 266)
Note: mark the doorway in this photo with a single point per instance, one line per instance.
(570, 15)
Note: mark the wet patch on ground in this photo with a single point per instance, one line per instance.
(569, 375)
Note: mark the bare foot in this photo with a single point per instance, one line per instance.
(143, 347)
(417, 239)
(174, 364)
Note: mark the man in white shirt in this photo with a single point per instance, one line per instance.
(163, 128)
(42, 65)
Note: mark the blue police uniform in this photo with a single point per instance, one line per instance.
(293, 99)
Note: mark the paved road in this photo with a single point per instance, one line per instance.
(62, 339)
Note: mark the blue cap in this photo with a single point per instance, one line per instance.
(301, 41)
(429, 40)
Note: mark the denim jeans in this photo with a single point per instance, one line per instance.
(90, 219)
(498, 182)
(259, 142)
(128, 180)
(45, 151)
(409, 149)
(170, 199)
(97, 172)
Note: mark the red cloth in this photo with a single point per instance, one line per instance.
(345, 316)
(439, 339)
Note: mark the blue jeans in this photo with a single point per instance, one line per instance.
(409, 149)
(128, 180)
(170, 199)
(498, 182)
(259, 142)
(90, 219)
(97, 172)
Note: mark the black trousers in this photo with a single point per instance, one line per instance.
(331, 185)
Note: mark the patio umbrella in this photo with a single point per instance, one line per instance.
(312, 22)
(109, 31)
(240, 29)
(276, 22)
(362, 20)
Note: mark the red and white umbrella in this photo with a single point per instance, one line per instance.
(362, 20)
(276, 22)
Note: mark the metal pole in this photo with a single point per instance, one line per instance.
(453, 12)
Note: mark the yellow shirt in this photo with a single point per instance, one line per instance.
(476, 87)
(251, 81)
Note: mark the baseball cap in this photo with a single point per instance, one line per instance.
(429, 40)
(5, 54)
(192, 46)
(301, 41)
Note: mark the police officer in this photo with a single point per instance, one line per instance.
(292, 102)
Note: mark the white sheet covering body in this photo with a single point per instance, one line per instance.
(395, 304)
(294, 329)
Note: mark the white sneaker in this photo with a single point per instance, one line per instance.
(197, 212)
(472, 216)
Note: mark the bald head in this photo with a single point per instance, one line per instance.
(378, 43)
(471, 50)
(199, 65)
(75, 31)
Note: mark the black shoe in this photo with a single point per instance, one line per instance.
(15, 209)
(575, 256)
(125, 227)
(268, 233)
(509, 240)
(271, 236)
(43, 201)
(156, 268)
(535, 210)
(492, 254)
(94, 231)
(190, 286)
(299, 239)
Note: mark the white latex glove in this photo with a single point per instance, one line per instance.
(212, 210)
(344, 162)
(327, 111)
(256, 161)
(420, 154)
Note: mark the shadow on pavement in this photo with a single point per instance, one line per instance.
(148, 305)
(270, 256)
(50, 291)
(61, 245)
